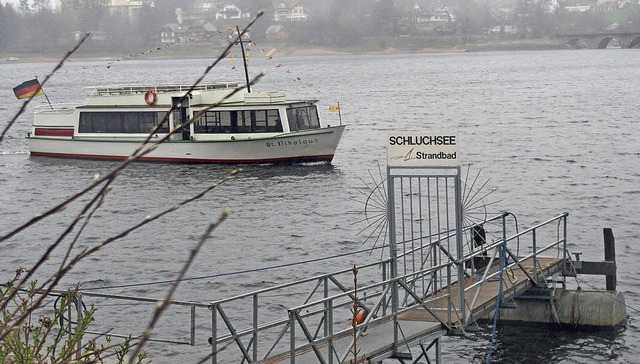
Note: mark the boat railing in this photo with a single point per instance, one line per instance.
(120, 90)
(56, 107)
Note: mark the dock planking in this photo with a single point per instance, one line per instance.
(420, 325)
(375, 344)
(515, 282)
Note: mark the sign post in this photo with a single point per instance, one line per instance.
(418, 154)
(422, 149)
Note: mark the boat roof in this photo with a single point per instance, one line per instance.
(163, 94)
(124, 90)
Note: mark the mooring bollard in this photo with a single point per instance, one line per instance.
(610, 256)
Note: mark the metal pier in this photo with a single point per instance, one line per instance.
(447, 264)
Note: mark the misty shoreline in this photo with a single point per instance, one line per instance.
(198, 51)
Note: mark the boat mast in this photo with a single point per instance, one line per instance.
(244, 59)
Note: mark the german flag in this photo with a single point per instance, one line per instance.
(28, 89)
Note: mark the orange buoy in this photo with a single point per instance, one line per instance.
(150, 97)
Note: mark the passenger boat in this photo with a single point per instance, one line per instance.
(248, 127)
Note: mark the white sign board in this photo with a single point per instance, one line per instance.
(422, 149)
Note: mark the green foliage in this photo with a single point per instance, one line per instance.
(34, 334)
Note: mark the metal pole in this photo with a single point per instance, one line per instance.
(255, 327)
(192, 342)
(393, 254)
(459, 243)
(45, 94)
(329, 323)
(384, 278)
(449, 300)
(292, 337)
(79, 313)
(503, 255)
(70, 332)
(535, 257)
(244, 59)
(610, 256)
(214, 338)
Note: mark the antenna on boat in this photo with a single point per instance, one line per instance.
(244, 59)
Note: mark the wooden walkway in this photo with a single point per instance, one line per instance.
(377, 343)
(515, 283)
(419, 325)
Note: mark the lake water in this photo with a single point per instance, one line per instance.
(553, 131)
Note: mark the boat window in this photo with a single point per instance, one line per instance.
(302, 118)
(129, 122)
(245, 121)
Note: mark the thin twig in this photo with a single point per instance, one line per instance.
(84, 225)
(112, 175)
(95, 202)
(162, 305)
(55, 69)
(139, 152)
(51, 283)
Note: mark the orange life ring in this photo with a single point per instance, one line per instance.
(150, 96)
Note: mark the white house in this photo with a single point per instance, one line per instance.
(289, 10)
(128, 8)
(231, 12)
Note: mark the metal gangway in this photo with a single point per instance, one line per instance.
(429, 303)
(446, 267)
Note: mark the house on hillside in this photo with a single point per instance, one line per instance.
(126, 8)
(606, 7)
(204, 6)
(182, 33)
(231, 12)
(441, 17)
(277, 33)
(433, 17)
(581, 6)
(290, 10)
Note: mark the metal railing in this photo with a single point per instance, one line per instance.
(311, 314)
(503, 249)
(315, 324)
(161, 88)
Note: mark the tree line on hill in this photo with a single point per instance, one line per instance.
(33, 27)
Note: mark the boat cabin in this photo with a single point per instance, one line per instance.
(121, 111)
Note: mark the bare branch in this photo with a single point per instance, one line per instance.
(46, 287)
(55, 69)
(162, 305)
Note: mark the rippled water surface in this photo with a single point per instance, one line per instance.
(553, 131)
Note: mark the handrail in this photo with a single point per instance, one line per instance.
(291, 284)
(325, 299)
(109, 90)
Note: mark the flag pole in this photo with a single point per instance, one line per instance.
(244, 59)
(44, 93)
(339, 113)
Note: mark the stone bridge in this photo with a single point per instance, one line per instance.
(601, 39)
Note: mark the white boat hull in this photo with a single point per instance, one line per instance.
(307, 146)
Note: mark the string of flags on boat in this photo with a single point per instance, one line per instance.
(157, 49)
(230, 35)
